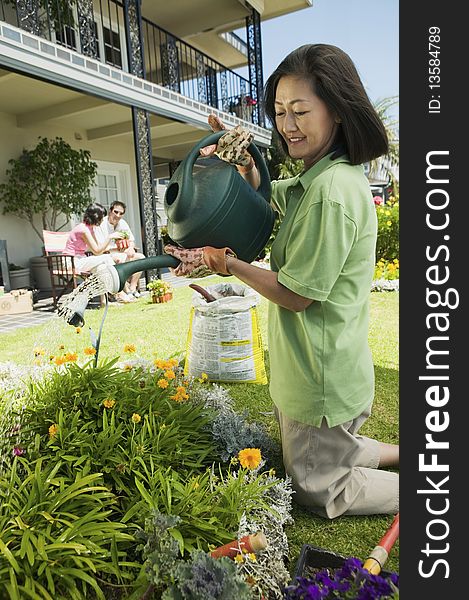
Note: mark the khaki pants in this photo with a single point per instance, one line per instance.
(334, 471)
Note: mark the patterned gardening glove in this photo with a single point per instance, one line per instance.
(232, 146)
(199, 262)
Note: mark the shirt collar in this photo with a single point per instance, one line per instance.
(307, 177)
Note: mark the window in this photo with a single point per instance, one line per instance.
(106, 191)
(112, 48)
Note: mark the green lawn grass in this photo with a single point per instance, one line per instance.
(160, 330)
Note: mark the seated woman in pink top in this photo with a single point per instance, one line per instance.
(82, 239)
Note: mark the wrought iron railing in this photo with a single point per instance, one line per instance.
(97, 29)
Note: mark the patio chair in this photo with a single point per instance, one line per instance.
(64, 276)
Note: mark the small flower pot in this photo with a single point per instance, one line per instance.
(159, 299)
(122, 244)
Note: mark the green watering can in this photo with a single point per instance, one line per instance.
(213, 207)
(217, 207)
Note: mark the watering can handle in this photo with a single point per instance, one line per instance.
(264, 187)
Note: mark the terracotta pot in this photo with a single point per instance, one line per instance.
(122, 244)
(158, 299)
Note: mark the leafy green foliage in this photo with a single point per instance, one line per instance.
(56, 533)
(387, 245)
(53, 181)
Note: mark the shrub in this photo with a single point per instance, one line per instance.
(387, 245)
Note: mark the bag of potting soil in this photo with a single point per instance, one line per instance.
(224, 339)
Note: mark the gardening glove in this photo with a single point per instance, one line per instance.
(232, 146)
(199, 262)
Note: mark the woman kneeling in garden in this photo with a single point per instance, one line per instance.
(322, 264)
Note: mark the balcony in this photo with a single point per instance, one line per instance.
(98, 30)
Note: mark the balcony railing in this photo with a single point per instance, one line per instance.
(97, 29)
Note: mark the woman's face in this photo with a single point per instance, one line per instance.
(303, 120)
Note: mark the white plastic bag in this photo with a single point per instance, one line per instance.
(224, 339)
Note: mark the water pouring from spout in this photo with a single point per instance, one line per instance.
(107, 279)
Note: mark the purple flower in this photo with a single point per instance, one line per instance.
(18, 451)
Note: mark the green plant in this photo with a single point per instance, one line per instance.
(387, 244)
(158, 287)
(52, 181)
(56, 533)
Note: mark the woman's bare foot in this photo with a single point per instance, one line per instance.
(388, 455)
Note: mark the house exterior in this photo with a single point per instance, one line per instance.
(133, 82)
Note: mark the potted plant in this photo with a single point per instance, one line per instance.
(19, 277)
(123, 242)
(46, 186)
(243, 106)
(161, 291)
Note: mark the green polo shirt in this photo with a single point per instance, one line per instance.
(320, 361)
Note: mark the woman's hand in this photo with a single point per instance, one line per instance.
(199, 262)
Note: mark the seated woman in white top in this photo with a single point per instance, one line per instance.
(82, 239)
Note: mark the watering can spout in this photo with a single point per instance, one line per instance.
(110, 279)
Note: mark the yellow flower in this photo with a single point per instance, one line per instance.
(162, 383)
(53, 429)
(39, 351)
(127, 367)
(239, 558)
(59, 360)
(37, 362)
(89, 351)
(162, 426)
(203, 378)
(62, 347)
(234, 460)
(169, 374)
(78, 329)
(252, 556)
(180, 394)
(71, 357)
(159, 364)
(136, 418)
(130, 348)
(172, 362)
(250, 458)
(389, 223)
(109, 402)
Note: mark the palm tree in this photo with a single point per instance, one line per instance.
(388, 166)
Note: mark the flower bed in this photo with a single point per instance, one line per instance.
(120, 480)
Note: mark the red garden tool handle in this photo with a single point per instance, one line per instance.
(379, 555)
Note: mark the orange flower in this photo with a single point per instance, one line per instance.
(180, 394)
(169, 374)
(89, 351)
(53, 429)
(71, 357)
(162, 383)
(78, 329)
(160, 364)
(109, 402)
(130, 348)
(59, 360)
(250, 458)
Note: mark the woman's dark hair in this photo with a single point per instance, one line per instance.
(335, 80)
(94, 214)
